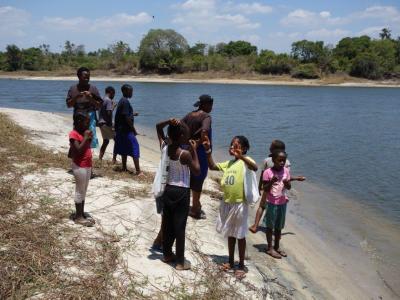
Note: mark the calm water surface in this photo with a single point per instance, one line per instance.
(345, 138)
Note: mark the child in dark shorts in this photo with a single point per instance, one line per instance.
(276, 180)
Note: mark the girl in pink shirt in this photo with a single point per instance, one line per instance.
(81, 155)
(276, 180)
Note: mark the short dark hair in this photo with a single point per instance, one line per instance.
(175, 131)
(110, 89)
(125, 88)
(277, 145)
(81, 70)
(243, 141)
(79, 117)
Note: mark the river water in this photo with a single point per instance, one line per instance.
(345, 140)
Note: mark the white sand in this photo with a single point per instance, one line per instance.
(167, 79)
(309, 272)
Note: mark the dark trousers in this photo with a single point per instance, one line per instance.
(176, 202)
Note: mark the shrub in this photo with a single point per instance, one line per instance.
(306, 71)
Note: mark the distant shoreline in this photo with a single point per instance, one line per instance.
(272, 80)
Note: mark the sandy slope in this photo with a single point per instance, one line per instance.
(310, 272)
(166, 79)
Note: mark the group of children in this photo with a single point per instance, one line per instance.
(233, 212)
(81, 140)
(275, 180)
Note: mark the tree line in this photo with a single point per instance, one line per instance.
(164, 51)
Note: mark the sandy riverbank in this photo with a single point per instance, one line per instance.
(312, 270)
(286, 81)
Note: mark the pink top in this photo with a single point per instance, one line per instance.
(277, 195)
(83, 160)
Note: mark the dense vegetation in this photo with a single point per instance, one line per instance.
(166, 51)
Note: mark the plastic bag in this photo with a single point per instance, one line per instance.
(161, 177)
(250, 186)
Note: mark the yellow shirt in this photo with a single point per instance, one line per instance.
(232, 181)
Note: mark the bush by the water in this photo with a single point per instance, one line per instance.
(306, 71)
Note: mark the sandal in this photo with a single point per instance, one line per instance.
(83, 222)
(240, 274)
(199, 215)
(226, 267)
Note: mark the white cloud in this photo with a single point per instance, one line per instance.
(372, 31)
(249, 8)
(326, 34)
(325, 14)
(204, 17)
(110, 23)
(306, 18)
(13, 21)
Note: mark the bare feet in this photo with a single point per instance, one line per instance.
(281, 252)
(169, 258)
(185, 266)
(273, 253)
(140, 174)
(253, 228)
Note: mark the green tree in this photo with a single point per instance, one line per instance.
(13, 58)
(270, 63)
(198, 49)
(366, 65)
(385, 34)
(236, 48)
(162, 50)
(32, 59)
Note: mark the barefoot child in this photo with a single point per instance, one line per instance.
(126, 143)
(268, 163)
(80, 139)
(232, 219)
(105, 119)
(276, 180)
(176, 196)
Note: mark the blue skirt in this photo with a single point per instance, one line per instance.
(126, 144)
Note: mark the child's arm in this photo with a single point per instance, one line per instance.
(297, 178)
(190, 158)
(207, 147)
(160, 128)
(250, 164)
(287, 184)
(130, 124)
(78, 147)
(260, 182)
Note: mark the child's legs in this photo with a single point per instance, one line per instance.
(279, 224)
(268, 233)
(181, 213)
(123, 158)
(242, 251)
(159, 238)
(103, 148)
(231, 248)
(88, 175)
(137, 166)
(80, 175)
(168, 231)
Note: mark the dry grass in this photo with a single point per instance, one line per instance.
(43, 256)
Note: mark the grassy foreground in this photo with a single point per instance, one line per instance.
(45, 257)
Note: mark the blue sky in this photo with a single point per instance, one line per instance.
(270, 25)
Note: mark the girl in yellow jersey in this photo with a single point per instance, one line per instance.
(232, 219)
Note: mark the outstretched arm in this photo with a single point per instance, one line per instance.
(297, 178)
(207, 147)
